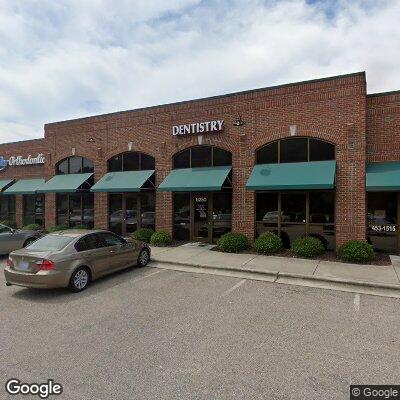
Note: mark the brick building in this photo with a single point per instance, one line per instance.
(319, 157)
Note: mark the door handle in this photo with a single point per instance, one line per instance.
(112, 251)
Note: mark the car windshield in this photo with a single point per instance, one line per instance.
(50, 243)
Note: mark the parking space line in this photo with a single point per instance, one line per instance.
(357, 300)
(234, 287)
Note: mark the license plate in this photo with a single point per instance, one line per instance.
(23, 265)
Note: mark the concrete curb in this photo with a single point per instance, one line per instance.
(280, 276)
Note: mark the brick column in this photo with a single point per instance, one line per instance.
(243, 218)
(50, 210)
(101, 210)
(350, 188)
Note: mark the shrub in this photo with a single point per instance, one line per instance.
(33, 227)
(233, 242)
(268, 243)
(80, 226)
(143, 234)
(57, 228)
(160, 238)
(356, 251)
(308, 247)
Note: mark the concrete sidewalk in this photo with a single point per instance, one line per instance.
(373, 279)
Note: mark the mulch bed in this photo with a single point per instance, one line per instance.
(380, 259)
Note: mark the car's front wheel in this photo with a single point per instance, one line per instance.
(143, 258)
(80, 280)
(28, 242)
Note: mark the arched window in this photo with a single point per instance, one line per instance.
(74, 165)
(131, 161)
(202, 156)
(299, 149)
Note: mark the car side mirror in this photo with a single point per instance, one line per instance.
(12, 230)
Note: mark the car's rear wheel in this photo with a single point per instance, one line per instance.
(28, 242)
(80, 280)
(143, 258)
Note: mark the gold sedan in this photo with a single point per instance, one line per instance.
(73, 258)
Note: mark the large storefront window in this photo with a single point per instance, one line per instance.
(202, 216)
(33, 209)
(295, 214)
(286, 214)
(131, 211)
(75, 209)
(383, 221)
(7, 209)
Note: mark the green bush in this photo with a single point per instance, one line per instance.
(160, 238)
(308, 247)
(357, 251)
(268, 243)
(233, 242)
(143, 234)
(79, 226)
(33, 227)
(57, 228)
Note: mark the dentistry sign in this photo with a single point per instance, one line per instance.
(198, 128)
(19, 161)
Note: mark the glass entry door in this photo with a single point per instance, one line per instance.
(201, 205)
(130, 211)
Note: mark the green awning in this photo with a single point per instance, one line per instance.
(127, 181)
(383, 176)
(25, 186)
(64, 183)
(293, 176)
(4, 183)
(195, 179)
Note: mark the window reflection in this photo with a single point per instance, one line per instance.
(74, 165)
(222, 213)
(131, 161)
(202, 156)
(33, 209)
(75, 209)
(382, 221)
(7, 209)
(181, 216)
(295, 150)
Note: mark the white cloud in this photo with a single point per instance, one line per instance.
(70, 58)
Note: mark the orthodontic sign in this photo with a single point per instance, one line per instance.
(19, 161)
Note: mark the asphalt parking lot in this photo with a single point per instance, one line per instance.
(158, 334)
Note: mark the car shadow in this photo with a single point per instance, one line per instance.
(63, 294)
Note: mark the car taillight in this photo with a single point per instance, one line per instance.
(45, 265)
(10, 262)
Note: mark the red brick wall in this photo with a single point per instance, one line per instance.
(331, 109)
(383, 127)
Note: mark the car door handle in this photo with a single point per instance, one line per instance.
(112, 251)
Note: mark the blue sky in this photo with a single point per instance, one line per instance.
(70, 58)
